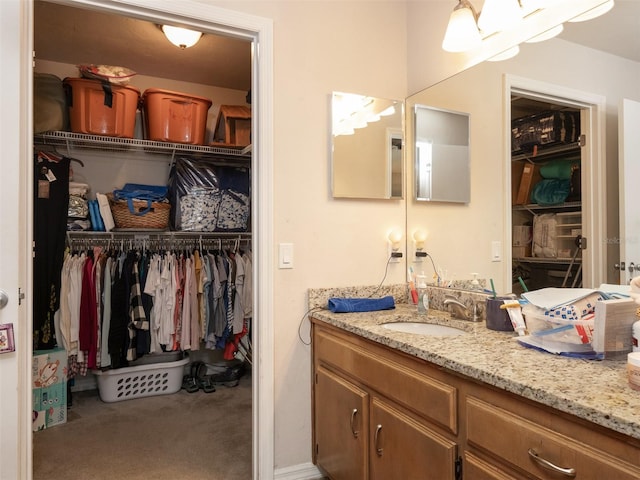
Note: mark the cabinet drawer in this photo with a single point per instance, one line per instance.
(516, 440)
(475, 468)
(426, 396)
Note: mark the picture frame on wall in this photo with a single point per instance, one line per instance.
(6, 338)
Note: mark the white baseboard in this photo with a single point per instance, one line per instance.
(305, 471)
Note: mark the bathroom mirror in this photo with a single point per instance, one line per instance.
(441, 168)
(464, 239)
(367, 158)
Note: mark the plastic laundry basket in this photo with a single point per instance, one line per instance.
(140, 381)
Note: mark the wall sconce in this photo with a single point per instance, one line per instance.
(419, 238)
(181, 37)
(394, 237)
(594, 12)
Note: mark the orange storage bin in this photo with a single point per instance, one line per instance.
(175, 117)
(99, 109)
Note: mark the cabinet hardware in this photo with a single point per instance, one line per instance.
(354, 432)
(569, 472)
(458, 468)
(376, 439)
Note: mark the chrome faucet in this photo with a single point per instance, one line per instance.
(460, 311)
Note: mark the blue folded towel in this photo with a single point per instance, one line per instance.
(344, 305)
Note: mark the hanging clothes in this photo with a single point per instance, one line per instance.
(51, 203)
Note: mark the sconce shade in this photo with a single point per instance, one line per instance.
(497, 15)
(462, 32)
(594, 12)
(181, 37)
(507, 54)
(552, 32)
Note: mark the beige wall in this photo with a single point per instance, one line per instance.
(321, 47)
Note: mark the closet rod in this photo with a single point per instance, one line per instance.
(155, 235)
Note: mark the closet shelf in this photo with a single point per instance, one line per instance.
(155, 235)
(109, 144)
(547, 153)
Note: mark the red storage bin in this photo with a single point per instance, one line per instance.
(101, 109)
(175, 117)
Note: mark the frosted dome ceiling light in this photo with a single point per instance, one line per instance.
(552, 32)
(181, 37)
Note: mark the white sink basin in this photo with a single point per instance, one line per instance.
(423, 328)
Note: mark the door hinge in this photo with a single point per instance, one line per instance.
(458, 468)
(582, 141)
(581, 242)
(20, 296)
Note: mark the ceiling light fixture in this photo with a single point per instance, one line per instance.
(594, 12)
(181, 37)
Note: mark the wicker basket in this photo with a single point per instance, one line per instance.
(157, 218)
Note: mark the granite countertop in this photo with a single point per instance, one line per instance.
(595, 390)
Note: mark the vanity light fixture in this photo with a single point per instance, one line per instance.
(394, 237)
(181, 37)
(419, 238)
(467, 30)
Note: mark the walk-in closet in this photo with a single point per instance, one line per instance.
(143, 273)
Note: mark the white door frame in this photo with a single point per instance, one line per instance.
(593, 168)
(260, 31)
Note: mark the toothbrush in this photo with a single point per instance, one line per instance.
(412, 286)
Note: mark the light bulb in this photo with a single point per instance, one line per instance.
(419, 237)
(394, 237)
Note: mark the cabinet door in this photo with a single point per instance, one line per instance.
(403, 448)
(341, 428)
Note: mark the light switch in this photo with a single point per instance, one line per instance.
(496, 251)
(285, 255)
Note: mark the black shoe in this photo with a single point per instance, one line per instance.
(230, 377)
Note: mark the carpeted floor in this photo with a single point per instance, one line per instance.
(181, 436)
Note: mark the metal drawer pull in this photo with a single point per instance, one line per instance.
(375, 440)
(355, 433)
(569, 472)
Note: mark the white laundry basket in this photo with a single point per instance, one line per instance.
(140, 381)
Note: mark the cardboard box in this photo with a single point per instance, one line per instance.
(49, 388)
(528, 178)
(521, 251)
(233, 126)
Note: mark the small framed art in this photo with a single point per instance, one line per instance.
(6, 338)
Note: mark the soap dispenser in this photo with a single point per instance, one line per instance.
(475, 284)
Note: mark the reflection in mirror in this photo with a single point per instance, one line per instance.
(442, 155)
(367, 147)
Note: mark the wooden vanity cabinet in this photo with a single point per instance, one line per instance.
(382, 414)
(362, 426)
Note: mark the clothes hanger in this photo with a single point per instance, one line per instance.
(50, 153)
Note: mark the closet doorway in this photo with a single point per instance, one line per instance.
(520, 94)
(256, 31)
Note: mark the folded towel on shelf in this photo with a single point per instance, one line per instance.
(345, 305)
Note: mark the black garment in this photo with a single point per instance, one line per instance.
(51, 204)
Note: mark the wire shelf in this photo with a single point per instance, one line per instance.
(71, 140)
